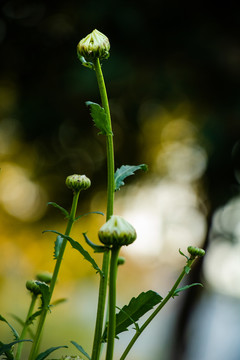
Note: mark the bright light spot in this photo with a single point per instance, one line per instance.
(21, 197)
(165, 216)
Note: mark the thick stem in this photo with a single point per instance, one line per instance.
(112, 302)
(25, 326)
(156, 311)
(45, 310)
(110, 200)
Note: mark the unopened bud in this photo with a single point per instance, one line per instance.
(117, 232)
(78, 182)
(44, 277)
(93, 46)
(32, 286)
(195, 251)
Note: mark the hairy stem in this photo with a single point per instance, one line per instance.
(110, 201)
(156, 311)
(45, 310)
(25, 326)
(112, 302)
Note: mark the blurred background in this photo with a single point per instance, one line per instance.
(173, 79)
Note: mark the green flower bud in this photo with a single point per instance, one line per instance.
(121, 260)
(78, 182)
(93, 46)
(33, 287)
(117, 232)
(44, 277)
(195, 251)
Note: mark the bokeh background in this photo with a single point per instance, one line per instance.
(173, 81)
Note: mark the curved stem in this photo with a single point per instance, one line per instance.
(110, 200)
(156, 311)
(45, 310)
(112, 302)
(25, 326)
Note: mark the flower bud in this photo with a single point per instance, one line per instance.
(195, 251)
(44, 277)
(93, 46)
(117, 232)
(78, 182)
(32, 286)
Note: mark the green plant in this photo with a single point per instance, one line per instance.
(114, 234)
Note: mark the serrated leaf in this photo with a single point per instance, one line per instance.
(64, 211)
(132, 312)
(80, 348)
(57, 246)
(124, 171)
(44, 288)
(33, 317)
(95, 247)
(44, 354)
(15, 333)
(177, 291)
(99, 117)
(79, 247)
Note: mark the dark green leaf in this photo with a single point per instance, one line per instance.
(44, 288)
(125, 171)
(44, 354)
(79, 247)
(59, 301)
(79, 347)
(15, 333)
(64, 211)
(33, 317)
(99, 117)
(7, 347)
(187, 269)
(177, 291)
(180, 252)
(132, 312)
(57, 246)
(91, 212)
(95, 247)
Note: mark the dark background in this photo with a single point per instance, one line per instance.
(164, 50)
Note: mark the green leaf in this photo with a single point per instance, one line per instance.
(132, 312)
(89, 213)
(177, 291)
(79, 247)
(88, 64)
(95, 247)
(125, 171)
(15, 333)
(80, 348)
(4, 348)
(44, 288)
(33, 317)
(64, 211)
(99, 117)
(58, 301)
(57, 246)
(44, 354)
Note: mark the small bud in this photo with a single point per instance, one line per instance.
(78, 182)
(195, 251)
(121, 260)
(44, 277)
(93, 46)
(117, 232)
(32, 286)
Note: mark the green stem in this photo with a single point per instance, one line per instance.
(156, 311)
(110, 200)
(45, 310)
(25, 326)
(112, 302)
